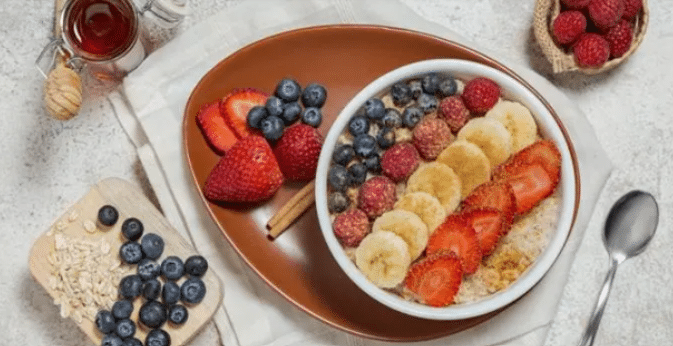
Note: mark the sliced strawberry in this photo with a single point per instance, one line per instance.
(236, 105)
(531, 183)
(435, 280)
(490, 225)
(456, 235)
(218, 136)
(493, 194)
(543, 152)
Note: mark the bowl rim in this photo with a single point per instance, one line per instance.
(549, 123)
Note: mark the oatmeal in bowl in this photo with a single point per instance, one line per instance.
(446, 189)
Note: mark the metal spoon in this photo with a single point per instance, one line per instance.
(629, 227)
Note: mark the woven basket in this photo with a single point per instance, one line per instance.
(563, 61)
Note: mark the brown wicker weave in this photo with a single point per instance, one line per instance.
(562, 61)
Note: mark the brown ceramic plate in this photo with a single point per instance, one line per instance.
(298, 265)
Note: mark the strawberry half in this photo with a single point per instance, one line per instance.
(297, 152)
(489, 224)
(531, 184)
(235, 107)
(493, 194)
(435, 280)
(218, 136)
(456, 235)
(248, 173)
(543, 152)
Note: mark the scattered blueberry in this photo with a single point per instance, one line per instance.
(112, 340)
(358, 172)
(105, 322)
(338, 177)
(358, 125)
(314, 95)
(152, 314)
(131, 252)
(177, 314)
(312, 116)
(158, 337)
(411, 116)
(430, 83)
(108, 215)
(170, 294)
(392, 118)
(255, 116)
(192, 290)
(364, 145)
(122, 309)
(274, 106)
(386, 137)
(401, 94)
(172, 268)
(132, 342)
(132, 228)
(196, 265)
(416, 88)
(374, 109)
(130, 286)
(151, 289)
(428, 103)
(373, 163)
(343, 154)
(337, 202)
(148, 269)
(125, 328)
(272, 128)
(288, 90)
(152, 245)
(291, 112)
(448, 87)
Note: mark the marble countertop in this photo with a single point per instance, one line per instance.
(46, 165)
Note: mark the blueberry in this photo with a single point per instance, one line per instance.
(337, 202)
(274, 106)
(358, 125)
(392, 118)
(291, 112)
(132, 228)
(157, 337)
(196, 265)
(112, 340)
(314, 95)
(148, 269)
(374, 109)
(373, 163)
(108, 215)
(288, 90)
(130, 286)
(411, 116)
(105, 322)
(428, 103)
(255, 116)
(170, 294)
(364, 145)
(172, 268)
(358, 172)
(416, 88)
(401, 94)
(131, 252)
(177, 314)
(122, 309)
(152, 245)
(338, 178)
(132, 342)
(430, 83)
(151, 289)
(152, 314)
(343, 154)
(386, 138)
(448, 87)
(125, 328)
(272, 128)
(192, 290)
(312, 116)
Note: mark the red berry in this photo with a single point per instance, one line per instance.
(454, 112)
(591, 50)
(631, 8)
(298, 151)
(398, 162)
(351, 227)
(605, 13)
(576, 4)
(431, 136)
(568, 26)
(435, 280)
(235, 107)
(376, 196)
(480, 94)
(619, 38)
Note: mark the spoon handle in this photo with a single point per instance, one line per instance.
(595, 320)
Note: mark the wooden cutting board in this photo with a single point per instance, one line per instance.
(74, 227)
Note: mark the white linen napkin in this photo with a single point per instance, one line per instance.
(150, 107)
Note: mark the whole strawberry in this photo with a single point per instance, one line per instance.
(247, 173)
(605, 13)
(480, 94)
(431, 136)
(568, 26)
(591, 50)
(619, 38)
(297, 152)
(631, 8)
(576, 4)
(454, 112)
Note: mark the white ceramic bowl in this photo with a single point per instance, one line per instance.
(549, 127)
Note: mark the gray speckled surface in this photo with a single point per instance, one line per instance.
(46, 165)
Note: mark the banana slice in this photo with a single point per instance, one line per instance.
(517, 120)
(426, 206)
(491, 136)
(469, 162)
(408, 226)
(383, 257)
(440, 181)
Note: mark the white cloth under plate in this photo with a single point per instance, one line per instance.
(150, 107)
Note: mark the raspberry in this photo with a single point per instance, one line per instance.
(619, 38)
(480, 94)
(605, 13)
(400, 161)
(591, 50)
(631, 8)
(576, 4)
(376, 196)
(431, 136)
(351, 227)
(454, 112)
(568, 26)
